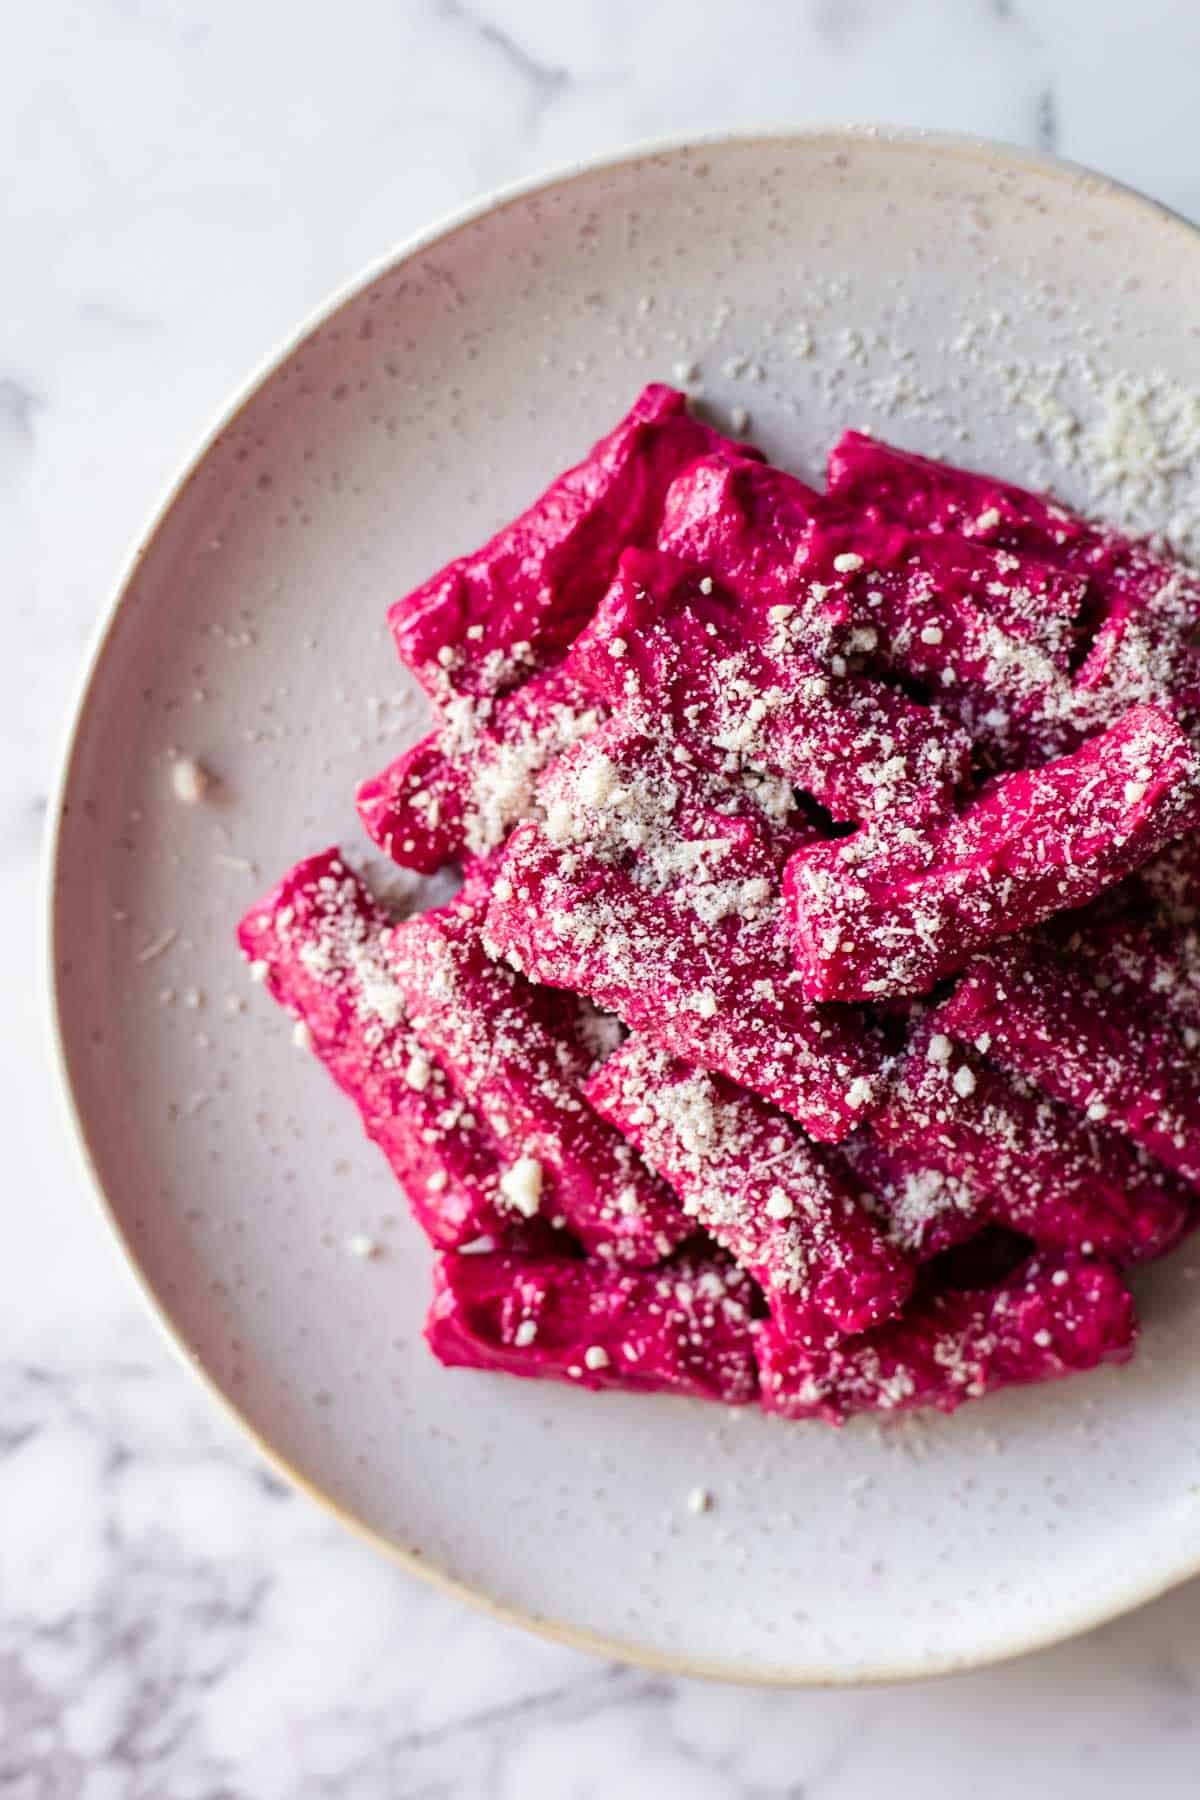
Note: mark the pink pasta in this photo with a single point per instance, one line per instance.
(684, 1328)
(1044, 1017)
(1149, 965)
(318, 942)
(1030, 1163)
(991, 633)
(891, 911)
(517, 1061)
(922, 1209)
(817, 1022)
(459, 791)
(1135, 623)
(749, 1175)
(667, 642)
(1052, 1318)
(484, 621)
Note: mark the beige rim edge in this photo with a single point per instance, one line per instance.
(903, 142)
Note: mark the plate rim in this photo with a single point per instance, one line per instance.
(904, 140)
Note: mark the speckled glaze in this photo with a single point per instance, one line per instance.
(250, 634)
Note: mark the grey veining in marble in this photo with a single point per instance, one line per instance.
(184, 179)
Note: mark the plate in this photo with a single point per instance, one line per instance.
(1022, 316)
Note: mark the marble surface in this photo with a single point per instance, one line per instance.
(184, 180)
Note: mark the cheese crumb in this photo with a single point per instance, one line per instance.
(706, 584)
(699, 1500)
(596, 1356)
(525, 1334)
(964, 1082)
(190, 780)
(858, 1093)
(362, 1246)
(847, 561)
(259, 970)
(779, 1204)
(939, 1048)
(521, 1185)
(302, 1036)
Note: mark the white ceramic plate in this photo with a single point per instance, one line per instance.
(818, 282)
